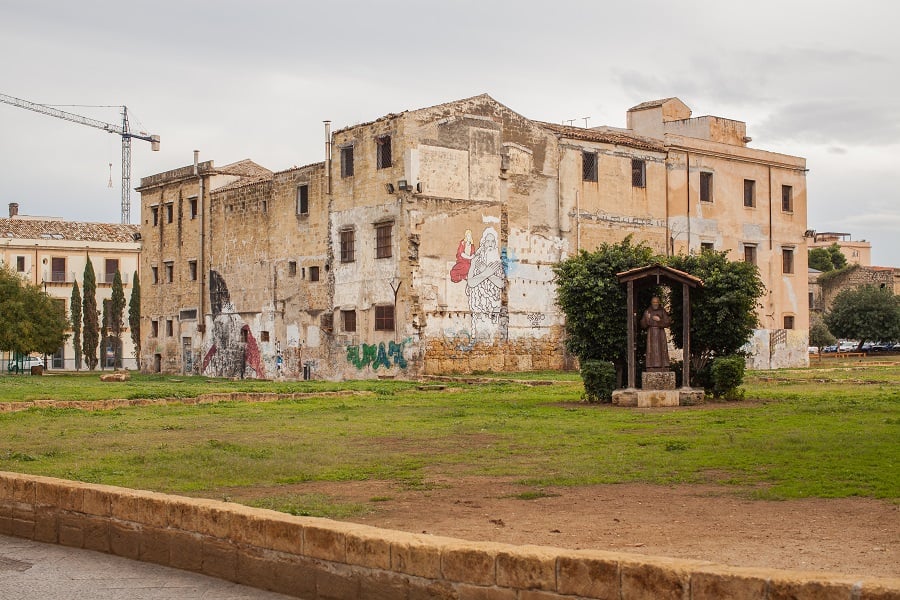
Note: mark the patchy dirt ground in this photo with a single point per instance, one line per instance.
(707, 522)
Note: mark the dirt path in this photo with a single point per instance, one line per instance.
(852, 535)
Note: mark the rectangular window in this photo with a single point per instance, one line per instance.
(347, 161)
(383, 152)
(264, 336)
(59, 358)
(788, 321)
(750, 254)
(303, 199)
(348, 320)
(155, 212)
(348, 246)
(812, 300)
(265, 206)
(707, 246)
(192, 204)
(706, 187)
(638, 173)
(749, 193)
(589, 166)
(383, 246)
(58, 269)
(192, 270)
(787, 198)
(112, 265)
(292, 268)
(188, 314)
(384, 318)
(154, 328)
(787, 260)
(326, 322)
(154, 272)
(170, 212)
(170, 272)
(314, 273)
(20, 264)
(170, 327)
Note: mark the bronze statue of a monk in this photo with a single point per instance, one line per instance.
(655, 321)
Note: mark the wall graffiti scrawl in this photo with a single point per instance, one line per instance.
(484, 275)
(380, 356)
(233, 348)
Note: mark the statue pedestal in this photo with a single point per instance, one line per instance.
(658, 380)
(657, 398)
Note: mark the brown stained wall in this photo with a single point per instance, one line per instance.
(853, 277)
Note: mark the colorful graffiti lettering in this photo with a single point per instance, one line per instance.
(380, 356)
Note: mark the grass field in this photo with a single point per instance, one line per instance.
(829, 432)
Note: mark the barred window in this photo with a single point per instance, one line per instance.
(303, 199)
(347, 161)
(383, 240)
(348, 246)
(638, 173)
(348, 317)
(314, 273)
(589, 166)
(750, 254)
(383, 152)
(787, 260)
(749, 193)
(788, 321)
(384, 318)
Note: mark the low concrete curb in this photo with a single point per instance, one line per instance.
(316, 558)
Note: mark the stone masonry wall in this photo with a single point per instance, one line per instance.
(314, 558)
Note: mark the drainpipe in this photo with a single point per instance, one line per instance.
(201, 211)
(327, 157)
(687, 171)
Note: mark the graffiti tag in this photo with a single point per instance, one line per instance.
(370, 355)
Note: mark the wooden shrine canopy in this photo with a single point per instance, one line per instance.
(659, 275)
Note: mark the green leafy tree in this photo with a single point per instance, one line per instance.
(75, 323)
(595, 303)
(866, 313)
(134, 316)
(837, 257)
(723, 311)
(819, 334)
(90, 315)
(104, 332)
(820, 259)
(116, 314)
(30, 320)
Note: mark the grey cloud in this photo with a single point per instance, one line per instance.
(835, 121)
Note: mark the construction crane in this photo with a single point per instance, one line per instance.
(123, 130)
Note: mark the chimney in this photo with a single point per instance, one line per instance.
(13, 209)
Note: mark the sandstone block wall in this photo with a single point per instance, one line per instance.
(315, 558)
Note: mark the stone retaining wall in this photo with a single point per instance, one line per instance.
(315, 558)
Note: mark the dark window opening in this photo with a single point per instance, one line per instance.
(638, 173)
(384, 318)
(170, 327)
(170, 272)
(303, 200)
(154, 328)
(348, 319)
(155, 211)
(787, 260)
(192, 202)
(347, 161)
(706, 187)
(787, 198)
(314, 273)
(170, 212)
(383, 152)
(707, 246)
(589, 166)
(188, 314)
(326, 322)
(292, 268)
(788, 322)
(20, 264)
(348, 246)
(749, 193)
(154, 271)
(383, 240)
(264, 336)
(750, 254)
(58, 269)
(192, 270)
(245, 334)
(812, 300)
(265, 206)
(112, 266)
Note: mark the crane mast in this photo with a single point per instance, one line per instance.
(123, 130)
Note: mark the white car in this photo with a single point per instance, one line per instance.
(848, 346)
(25, 364)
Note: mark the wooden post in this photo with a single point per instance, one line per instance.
(686, 335)
(631, 366)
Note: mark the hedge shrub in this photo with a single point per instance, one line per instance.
(727, 374)
(599, 378)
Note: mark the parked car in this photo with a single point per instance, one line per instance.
(813, 349)
(25, 364)
(832, 348)
(848, 346)
(883, 346)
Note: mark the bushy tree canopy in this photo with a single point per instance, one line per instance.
(90, 316)
(820, 335)
(30, 320)
(75, 323)
(134, 316)
(827, 259)
(867, 314)
(116, 314)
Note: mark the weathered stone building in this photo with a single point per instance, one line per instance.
(425, 241)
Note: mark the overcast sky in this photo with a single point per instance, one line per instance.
(255, 80)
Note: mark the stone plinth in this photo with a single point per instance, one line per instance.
(657, 398)
(658, 380)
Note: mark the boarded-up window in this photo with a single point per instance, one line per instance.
(787, 198)
(788, 321)
(706, 187)
(348, 319)
(170, 272)
(383, 246)
(347, 161)
(20, 264)
(58, 269)
(787, 260)
(749, 193)
(383, 152)
(264, 336)
(314, 273)
(192, 270)
(112, 265)
(589, 166)
(326, 322)
(638, 173)
(303, 200)
(154, 328)
(750, 254)
(154, 272)
(384, 318)
(348, 246)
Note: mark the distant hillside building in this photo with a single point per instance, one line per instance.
(52, 253)
(857, 252)
(425, 241)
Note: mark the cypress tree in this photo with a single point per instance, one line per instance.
(90, 314)
(104, 333)
(76, 323)
(116, 314)
(134, 316)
